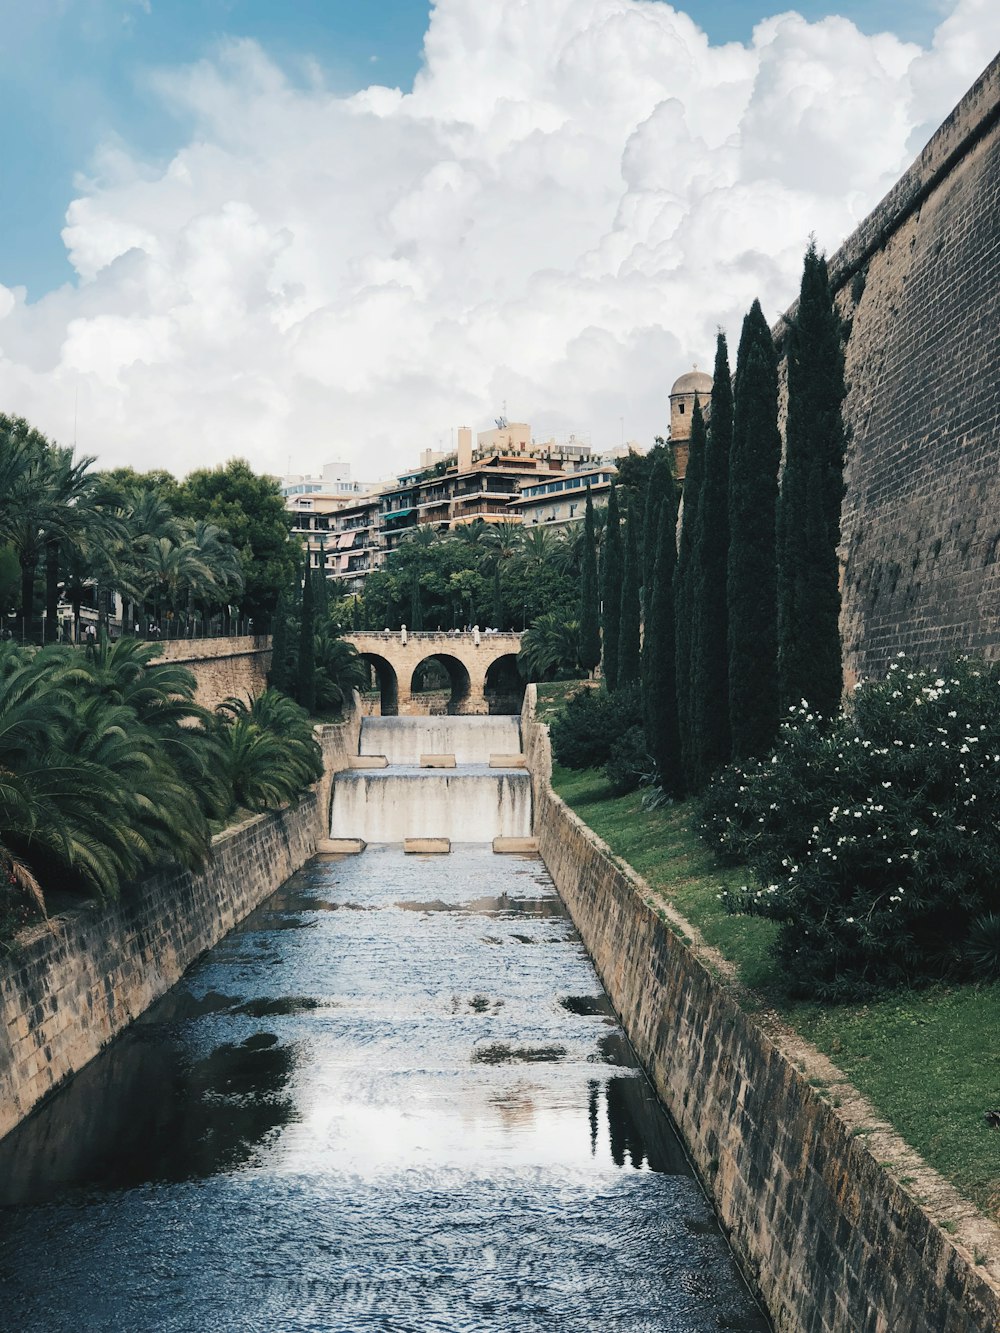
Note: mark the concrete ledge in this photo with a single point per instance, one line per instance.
(367, 761)
(435, 846)
(437, 761)
(340, 846)
(515, 845)
(508, 761)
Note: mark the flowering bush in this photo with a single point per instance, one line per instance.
(873, 838)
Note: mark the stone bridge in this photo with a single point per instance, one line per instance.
(481, 670)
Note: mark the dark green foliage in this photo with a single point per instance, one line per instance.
(611, 590)
(590, 610)
(252, 511)
(709, 688)
(630, 611)
(269, 752)
(873, 840)
(587, 728)
(550, 649)
(752, 575)
(629, 762)
(812, 488)
(684, 583)
(277, 676)
(661, 487)
(659, 667)
(306, 683)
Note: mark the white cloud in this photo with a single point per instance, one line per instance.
(572, 199)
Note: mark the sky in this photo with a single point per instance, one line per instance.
(328, 230)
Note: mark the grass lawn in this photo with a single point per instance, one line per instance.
(552, 694)
(929, 1061)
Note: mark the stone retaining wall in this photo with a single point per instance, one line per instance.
(79, 979)
(832, 1241)
(223, 667)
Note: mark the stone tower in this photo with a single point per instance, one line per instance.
(694, 385)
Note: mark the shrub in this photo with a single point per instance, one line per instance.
(872, 839)
(629, 762)
(584, 732)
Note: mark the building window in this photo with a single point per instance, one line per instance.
(680, 408)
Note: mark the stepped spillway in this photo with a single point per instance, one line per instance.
(470, 803)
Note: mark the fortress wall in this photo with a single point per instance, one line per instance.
(919, 282)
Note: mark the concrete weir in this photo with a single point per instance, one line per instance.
(440, 779)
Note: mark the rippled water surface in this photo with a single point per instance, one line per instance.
(394, 1099)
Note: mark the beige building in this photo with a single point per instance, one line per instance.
(563, 499)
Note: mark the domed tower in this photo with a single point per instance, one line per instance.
(694, 385)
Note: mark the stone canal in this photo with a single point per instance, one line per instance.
(395, 1098)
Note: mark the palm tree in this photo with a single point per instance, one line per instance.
(43, 489)
(551, 645)
(339, 670)
(503, 541)
(270, 753)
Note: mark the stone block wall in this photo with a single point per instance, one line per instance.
(223, 667)
(919, 285)
(79, 979)
(832, 1241)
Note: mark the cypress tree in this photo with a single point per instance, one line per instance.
(630, 613)
(661, 487)
(812, 488)
(307, 645)
(611, 590)
(752, 574)
(277, 676)
(684, 583)
(590, 624)
(659, 671)
(709, 707)
(321, 591)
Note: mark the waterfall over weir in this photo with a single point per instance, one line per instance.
(468, 803)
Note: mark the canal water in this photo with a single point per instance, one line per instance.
(395, 1099)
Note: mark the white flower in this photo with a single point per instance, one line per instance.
(914, 832)
(850, 920)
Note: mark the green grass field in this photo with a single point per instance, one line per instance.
(929, 1061)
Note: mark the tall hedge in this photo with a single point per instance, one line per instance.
(590, 622)
(630, 614)
(709, 708)
(809, 653)
(659, 669)
(611, 590)
(752, 575)
(684, 576)
(307, 644)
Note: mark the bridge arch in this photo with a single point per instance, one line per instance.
(503, 685)
(457, 674)
(385, 681)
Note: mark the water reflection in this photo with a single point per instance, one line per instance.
(383, 1119)
(146, 1111)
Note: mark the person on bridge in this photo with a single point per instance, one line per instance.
(402, 634)
(475, 635)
